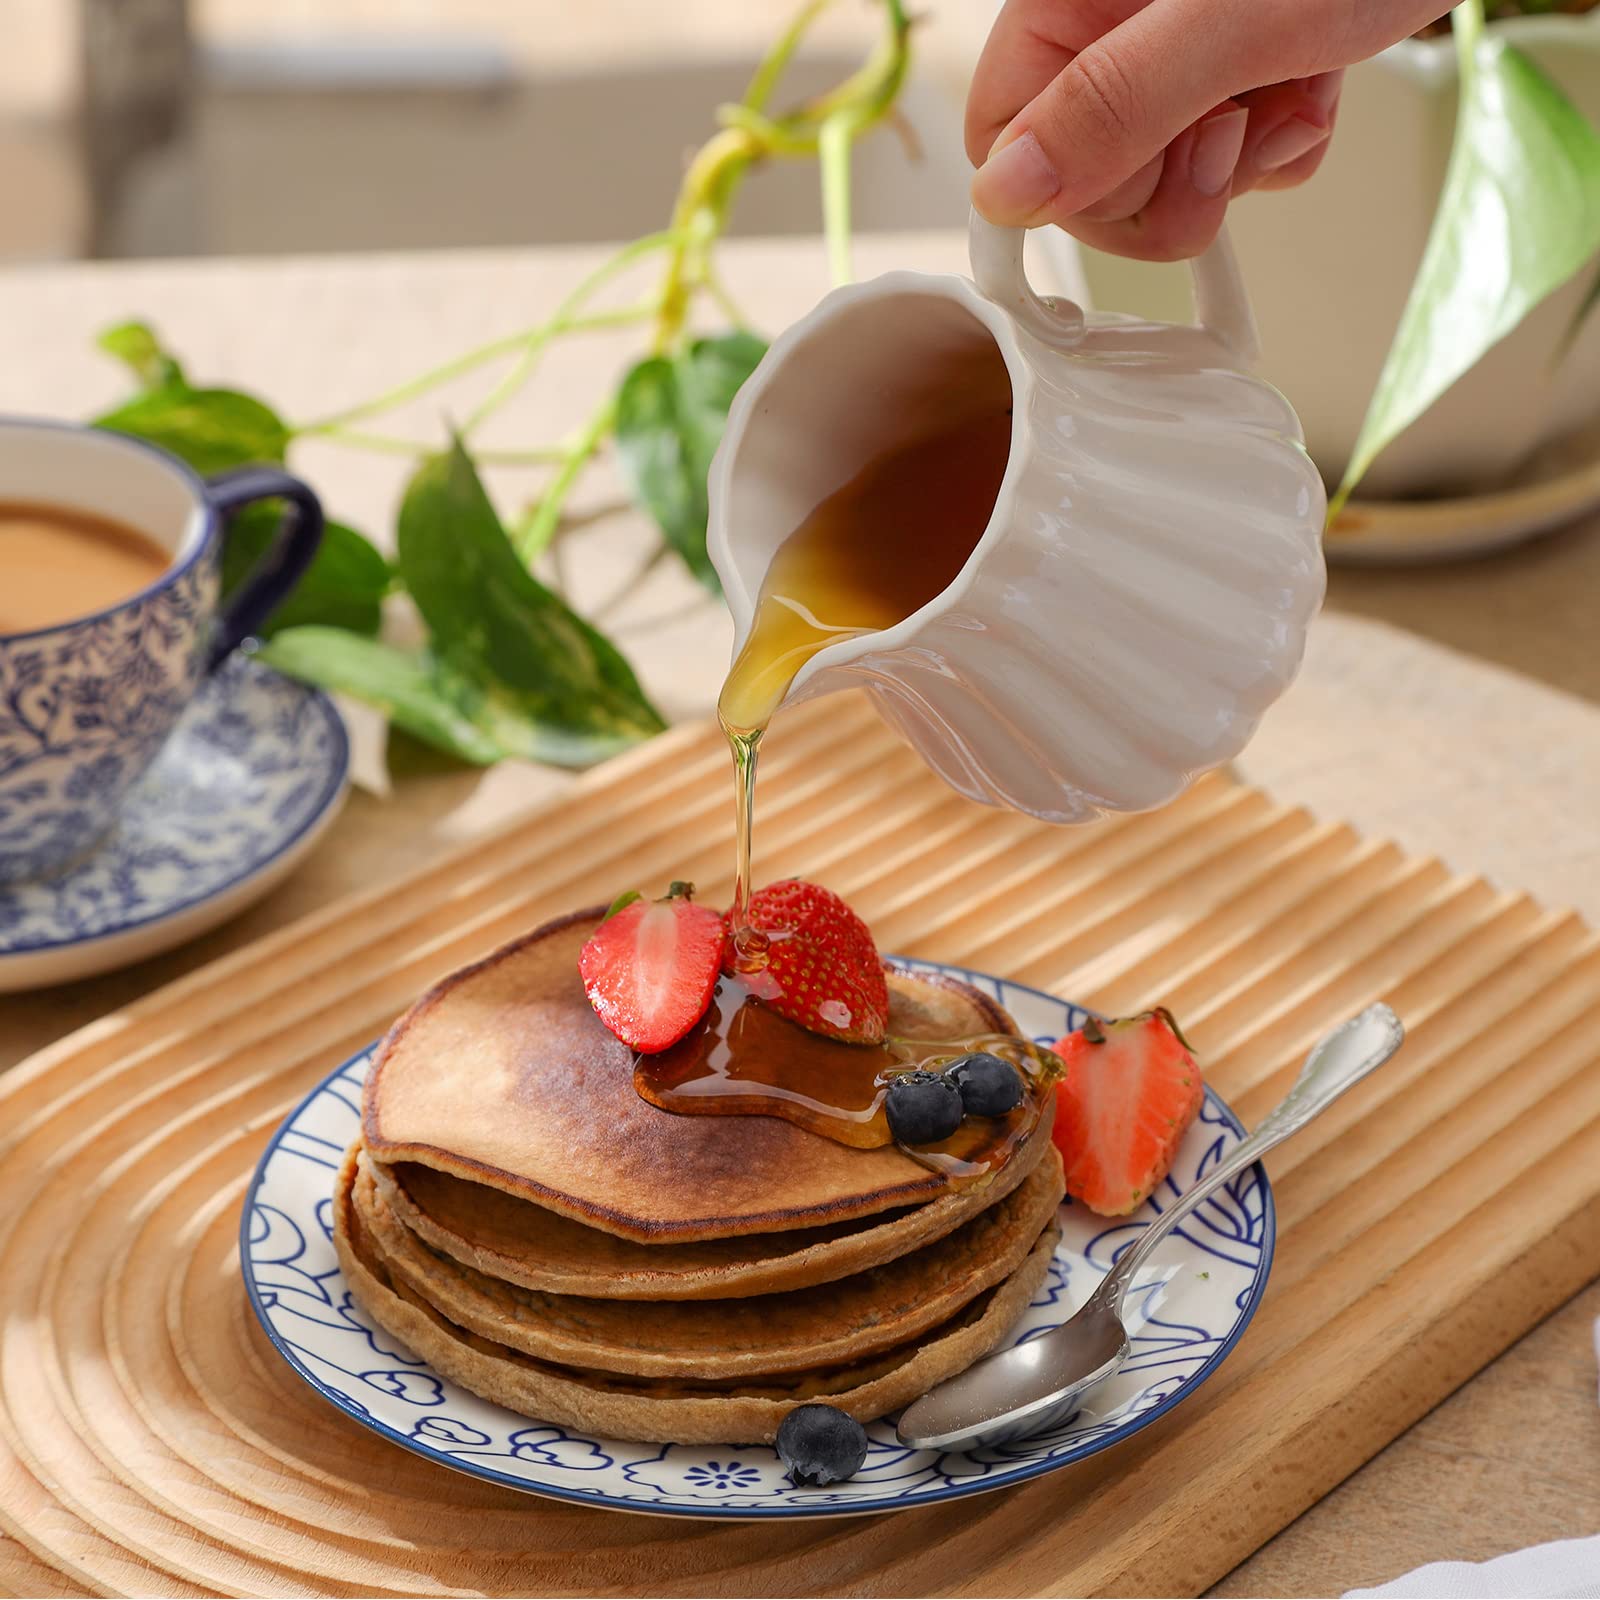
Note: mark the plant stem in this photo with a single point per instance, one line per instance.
(533, 345)
(392, 444)
(719, 292)
(770, 138)
(776, 61)
(460, 365)
(749, 135)
(542, 525)
(833, 147)
(697, 218)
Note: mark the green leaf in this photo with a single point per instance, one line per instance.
(671, 411)
(518, 727)
(400, 684)
(342, 588)
(136, 345)
(211, 429)
(531, 669)
(467, 717)
(1519, 214)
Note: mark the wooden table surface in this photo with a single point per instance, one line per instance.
(1405, 722)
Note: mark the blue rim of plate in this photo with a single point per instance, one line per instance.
(1023, 1473)
(338, 775)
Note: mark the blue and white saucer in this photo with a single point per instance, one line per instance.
(252, 775)
(1185, 1313)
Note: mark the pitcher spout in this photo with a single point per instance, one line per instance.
(873, 369)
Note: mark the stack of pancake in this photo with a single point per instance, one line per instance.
(520, 1218)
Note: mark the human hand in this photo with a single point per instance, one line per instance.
(1131, 123)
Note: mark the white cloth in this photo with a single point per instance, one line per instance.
(1566, 1570)
(1569, 1569)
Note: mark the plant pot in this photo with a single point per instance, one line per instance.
(1329, 266)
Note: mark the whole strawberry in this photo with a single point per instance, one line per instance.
(1129, 1093)
(819, 966)
(650, 968)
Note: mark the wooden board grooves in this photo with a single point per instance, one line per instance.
(150, 1441)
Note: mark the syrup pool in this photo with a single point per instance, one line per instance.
(742, 1059)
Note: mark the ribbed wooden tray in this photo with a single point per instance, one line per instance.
(151, 1442)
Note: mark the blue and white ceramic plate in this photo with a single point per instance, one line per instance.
(252, 775)
(1186, 1313)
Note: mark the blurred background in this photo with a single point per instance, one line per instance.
(224, 127)
(260, 128)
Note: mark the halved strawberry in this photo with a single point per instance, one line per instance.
(650, 967)
(1130, 1091)
(819, 966)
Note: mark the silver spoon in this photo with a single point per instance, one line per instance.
(1035, 1385)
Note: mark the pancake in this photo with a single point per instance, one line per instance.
(828, 1325)
(530, 1245)
(660, 1411)
(503, 1074)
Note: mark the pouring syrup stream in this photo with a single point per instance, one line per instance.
(874, 551)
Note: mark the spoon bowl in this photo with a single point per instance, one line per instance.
(1035, 1385)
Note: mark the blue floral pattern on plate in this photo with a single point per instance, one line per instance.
(1185, 1313)
(255, 762)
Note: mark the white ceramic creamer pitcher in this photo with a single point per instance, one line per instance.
(1141, 592)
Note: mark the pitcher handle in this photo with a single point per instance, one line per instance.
(998, 271)
(1220, 301)
(1219, 295)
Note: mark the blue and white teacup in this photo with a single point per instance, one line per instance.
(85, 705)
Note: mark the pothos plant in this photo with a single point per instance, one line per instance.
(508, 667)
(1518, 216)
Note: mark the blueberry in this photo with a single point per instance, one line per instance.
(820, 1445)
(989, 1086)
(922, 1107)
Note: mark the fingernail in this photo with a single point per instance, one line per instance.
(1015, 183)
(1215, 152)
(1287, 142)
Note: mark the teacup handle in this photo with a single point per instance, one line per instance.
(1219, 294)
(287, 558)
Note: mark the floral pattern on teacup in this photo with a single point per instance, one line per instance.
(84, 708)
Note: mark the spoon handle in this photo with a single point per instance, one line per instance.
(1338, 1061)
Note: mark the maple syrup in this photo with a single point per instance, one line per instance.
(742, 1059)
(874, 551)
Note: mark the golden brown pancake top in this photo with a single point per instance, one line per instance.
(502, 1073)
